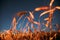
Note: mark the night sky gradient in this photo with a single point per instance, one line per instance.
(8, 8)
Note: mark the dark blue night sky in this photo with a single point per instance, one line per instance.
(8, 8)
